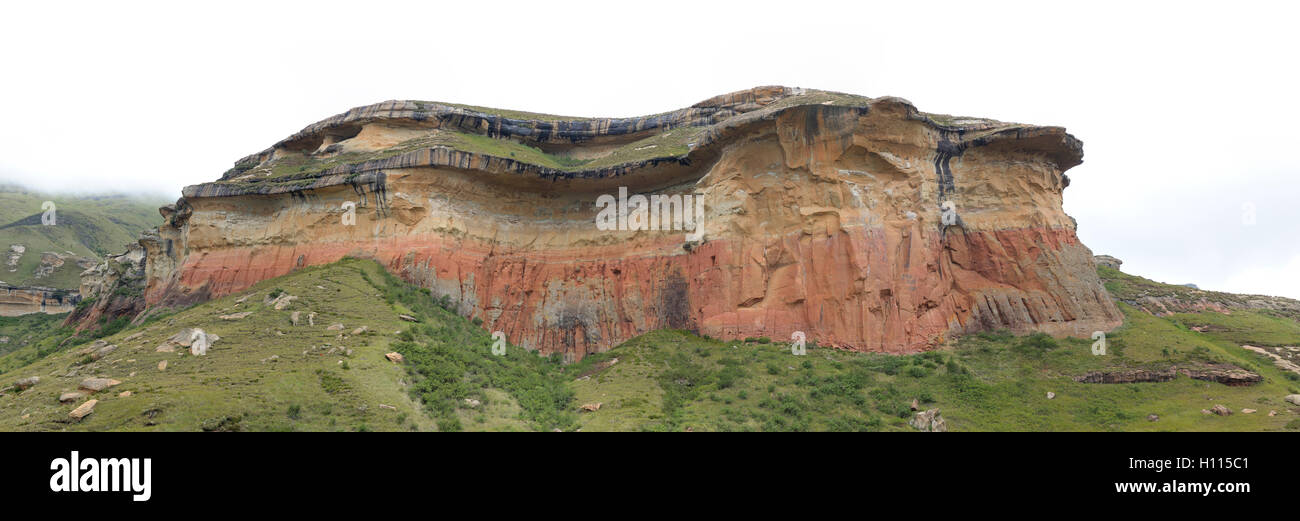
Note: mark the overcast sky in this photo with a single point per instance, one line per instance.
(1187, 111)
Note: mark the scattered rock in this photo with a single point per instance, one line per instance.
(133, 337)
(124, 394)
(236, 316)
(242, 299)
(929, 421)
(271, 358)
(389, 407)
(280, 302)
(1248, 411)
(335, 327)
(1050, 395)
(25, 383)
(162, 366)
(1206, 411)
(95, 385)
(407, 318)
(83, 410)
(71, 397)
(166, 348)
(590, 407)
(395, 357)
(103, 352)
(1220, 410)
(1153, 418)
(1272, 413)
(472, 403)
(360, 330)
(1293, 398)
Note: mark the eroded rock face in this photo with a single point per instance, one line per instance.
(822, 213)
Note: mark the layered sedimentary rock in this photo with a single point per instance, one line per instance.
(16, 301)
(860, 222)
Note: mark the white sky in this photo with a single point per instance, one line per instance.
(1187, 111)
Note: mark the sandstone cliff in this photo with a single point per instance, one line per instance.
(822, 213)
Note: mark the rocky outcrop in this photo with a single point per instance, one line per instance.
(114, 287)
(1107, 261)
(16, 301)
(861, 222)
(1221, 373)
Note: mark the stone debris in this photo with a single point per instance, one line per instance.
(83, 410)
(929, 421)
(280, 302)
(103, 352)
(95, 385)
(71, 396)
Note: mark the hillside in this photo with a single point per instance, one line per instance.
(265, 373)
(85, 229)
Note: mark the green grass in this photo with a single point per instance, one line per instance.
(90, 227)
(266, 374)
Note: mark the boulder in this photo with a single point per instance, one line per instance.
(1221, 410)
(590, 407)
(103, 352)
(1293, 398)
(124, 394)
(1050, 395)
(360, 330)
(71, 397)
(236, 316)
(1248, 411)
(166, 348)
(25, 383)
(929, 421)
(407, 318)
(396, 358)
(472, 403)
(95, 385)
(83, 410)
(335, 327)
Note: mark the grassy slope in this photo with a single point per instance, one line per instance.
(664, 380)
(87, 226)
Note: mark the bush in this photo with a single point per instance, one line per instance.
(294, 412)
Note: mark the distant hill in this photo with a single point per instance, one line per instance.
(85, 229)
